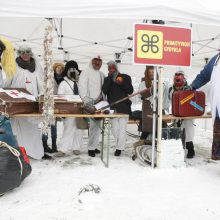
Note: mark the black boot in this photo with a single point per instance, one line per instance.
(190, 148)
(91, 153)
(97, 151)
(47, 157)
(117, 153)
(54, 146)
(46, 148)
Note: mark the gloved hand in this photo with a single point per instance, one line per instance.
(119, 80)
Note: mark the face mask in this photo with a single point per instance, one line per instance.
(73, 74)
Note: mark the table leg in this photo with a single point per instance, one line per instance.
(106, 130)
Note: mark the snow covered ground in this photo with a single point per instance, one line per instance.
(129, 191)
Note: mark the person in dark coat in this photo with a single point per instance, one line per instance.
(211, 73)
(147, 100)
(117, 86)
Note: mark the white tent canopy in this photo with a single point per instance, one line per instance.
(190, 11)
(105, 27)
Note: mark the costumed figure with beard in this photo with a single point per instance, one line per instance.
(179, 84)
(29, 75)
(117, 86)
(58, 69)
(72, 136)
(90, 89)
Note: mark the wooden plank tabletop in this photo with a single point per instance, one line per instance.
(172, 117)
(74, 115)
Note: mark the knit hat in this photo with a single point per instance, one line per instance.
(113, 63)
(71, 64)
(25, 49)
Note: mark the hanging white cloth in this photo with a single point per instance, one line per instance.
(189, 126)
(72, 136)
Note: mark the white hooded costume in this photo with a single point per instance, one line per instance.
(26, 129)
(90, 85)
(72, 136)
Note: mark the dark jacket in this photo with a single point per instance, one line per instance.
(116, 91)
(147, 111)
(205, 75)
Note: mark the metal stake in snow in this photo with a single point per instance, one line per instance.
(48, 106)
(154, 117)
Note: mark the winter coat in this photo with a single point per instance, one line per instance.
(210, 73)
(115, 91)
(147, 122)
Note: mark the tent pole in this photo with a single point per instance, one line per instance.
(154, 117)
(160, 108)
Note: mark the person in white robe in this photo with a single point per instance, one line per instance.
(29, 75)
(90, 88)
(72, 136)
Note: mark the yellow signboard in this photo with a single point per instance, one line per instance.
(149, 44)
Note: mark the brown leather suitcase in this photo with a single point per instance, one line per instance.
(18, 105)
(63, 106)
(188, 103)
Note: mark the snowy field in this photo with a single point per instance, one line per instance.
(129, 191)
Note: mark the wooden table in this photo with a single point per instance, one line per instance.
(105, 128)
(172, 117)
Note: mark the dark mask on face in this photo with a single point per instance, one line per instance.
(73, 74)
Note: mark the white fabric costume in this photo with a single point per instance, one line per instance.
(90, 85)
(119, 126)
(26, 129)
(72, 136)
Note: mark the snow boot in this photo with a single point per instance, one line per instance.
(76, 152)
(54, 146)
(97, 151)
(91, 153)
(47, 157)
(117, 153)
(46, 148)
(190, 148)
